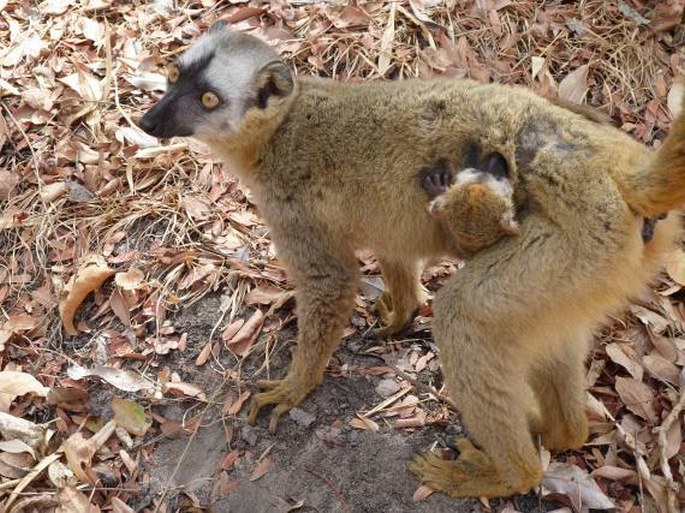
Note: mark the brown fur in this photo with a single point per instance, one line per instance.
(334, 167)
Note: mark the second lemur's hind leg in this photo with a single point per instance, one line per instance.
(497, 406)
(558, 382)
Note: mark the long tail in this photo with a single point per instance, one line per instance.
(659, 186)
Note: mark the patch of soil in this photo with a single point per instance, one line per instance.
(317, 462)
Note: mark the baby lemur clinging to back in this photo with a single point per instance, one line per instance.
(337, 166)
(476, 204)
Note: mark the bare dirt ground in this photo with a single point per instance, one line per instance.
(141, 300)
(316, 460)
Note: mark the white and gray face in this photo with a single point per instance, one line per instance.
(214, 83)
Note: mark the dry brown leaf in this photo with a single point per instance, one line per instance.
(119, 506)
(675, 97)
(536, 65)
(79, 451)
(574, 85)
(661, 368)
(637, 397)
(73, 501)
(11, 427)
(615, 473)
(132, 279)
(186, 389)
(624, 355)
(14, 383)
(29, 477)
(236, 406)
(52, 192)
(131, 416)
(91, 275)
(56, 6)
(261, 469)
(68, 397)
(85, 84)
(668, 348)
(196, 207)
(204, 355)
(233, 328)
(360, 422)
(385, 54)
(648, 317)
(416, 421)
(120, 307)
(659, 488)
(147, 81)
(8, 180)
(92, 29)
(60, 475)
(125, 380)
(576, 484)
(247, 334)
(19, 322)
(15, 446)
(674, 440)
(15, 465)
(417, 8)
(265, 295)
(229, 460)
(197, 275)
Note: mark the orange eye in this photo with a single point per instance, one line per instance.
(210, 100)
(173, 73)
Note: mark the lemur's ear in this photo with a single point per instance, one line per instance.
(218, 26)
(274, 79)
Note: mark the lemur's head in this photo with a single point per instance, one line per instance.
(215, 84)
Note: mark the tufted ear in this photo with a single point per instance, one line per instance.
(274, 79)
(217, 26)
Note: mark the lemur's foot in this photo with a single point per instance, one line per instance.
(392, 320)
(472, 474)
(283, 393)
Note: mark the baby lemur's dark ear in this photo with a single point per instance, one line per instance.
(274, 79)
(217, 26)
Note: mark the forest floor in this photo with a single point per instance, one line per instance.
(141, 299)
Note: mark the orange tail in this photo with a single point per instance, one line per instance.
(659, 186)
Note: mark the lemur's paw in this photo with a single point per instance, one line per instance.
(284, 394)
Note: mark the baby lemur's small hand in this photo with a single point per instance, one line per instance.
(437, 180)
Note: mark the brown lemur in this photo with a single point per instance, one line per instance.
(513, 326)
(334, 167)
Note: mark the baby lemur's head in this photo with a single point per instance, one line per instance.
(216, 83)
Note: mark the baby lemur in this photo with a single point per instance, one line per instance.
(475, 205)
(334, 167)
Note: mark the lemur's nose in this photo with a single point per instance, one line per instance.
(148, 124)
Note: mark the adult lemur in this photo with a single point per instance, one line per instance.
(334, 167)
